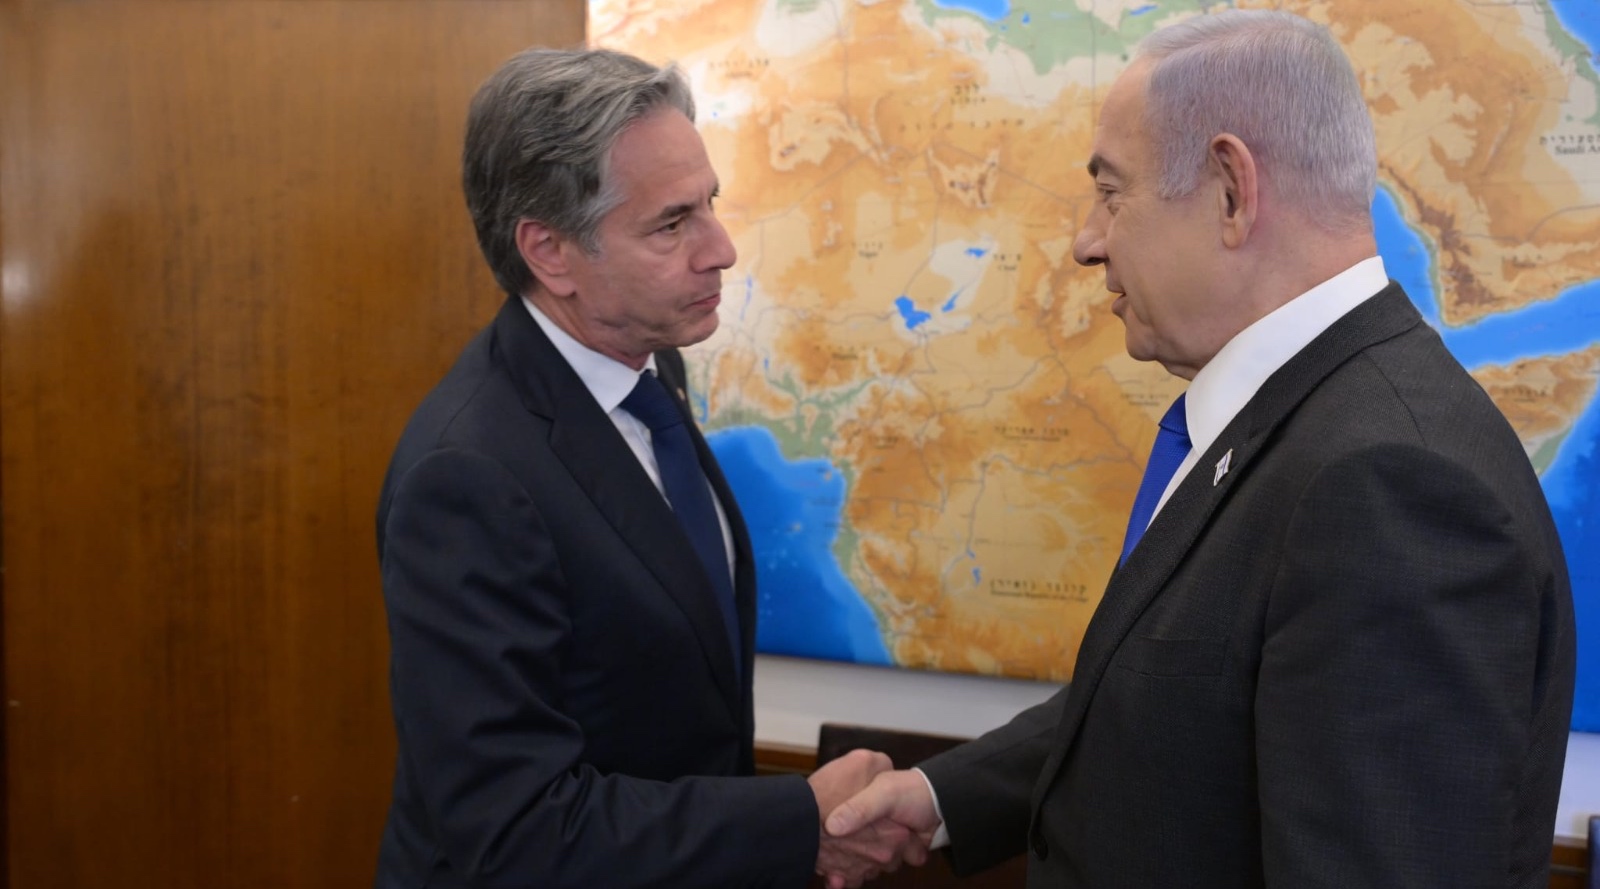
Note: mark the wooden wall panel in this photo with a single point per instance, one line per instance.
(233, 255)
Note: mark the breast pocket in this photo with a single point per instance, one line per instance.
(1149, 656)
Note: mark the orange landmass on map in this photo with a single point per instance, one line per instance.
(1543, 397)
(1465, 99)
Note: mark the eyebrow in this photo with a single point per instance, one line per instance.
(670, 213)
(1098, 163)
(675, 211)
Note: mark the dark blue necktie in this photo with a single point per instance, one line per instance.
(1172, 445)
(687, 491)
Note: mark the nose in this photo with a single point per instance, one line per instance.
(717, 251)
(1089, 247)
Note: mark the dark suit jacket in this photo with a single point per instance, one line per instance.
(1348, 662)
(567, 708)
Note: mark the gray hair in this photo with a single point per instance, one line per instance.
(538, 143)
(1284, 87)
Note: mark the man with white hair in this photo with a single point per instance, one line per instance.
(1342, 655)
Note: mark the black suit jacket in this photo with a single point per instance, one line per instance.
(1346, 662)
(567, 708)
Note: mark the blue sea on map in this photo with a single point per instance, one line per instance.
(993, 10)
(806, 605)
(1581, 18)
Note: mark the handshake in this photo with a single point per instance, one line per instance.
(873, 818)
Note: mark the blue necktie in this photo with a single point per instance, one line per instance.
(1172, 445)
(687, 491)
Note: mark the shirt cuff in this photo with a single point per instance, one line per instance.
(941, 837)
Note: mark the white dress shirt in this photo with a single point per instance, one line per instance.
(610, 381)
(1229, 380)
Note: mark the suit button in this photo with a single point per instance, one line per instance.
(1040, 850)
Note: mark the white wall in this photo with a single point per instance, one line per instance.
(1580, 787)
(794, 697)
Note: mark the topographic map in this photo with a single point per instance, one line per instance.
(924, 405)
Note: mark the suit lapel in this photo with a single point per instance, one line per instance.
(588, 444)
(1143, 577)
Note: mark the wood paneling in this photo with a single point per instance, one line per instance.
(1569, 865)
(233, 256)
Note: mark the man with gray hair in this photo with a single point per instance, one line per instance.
(569, 586)
(1342, 654)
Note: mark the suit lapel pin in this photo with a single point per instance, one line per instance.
(1222, 467)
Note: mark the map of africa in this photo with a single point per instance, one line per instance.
(924, 405)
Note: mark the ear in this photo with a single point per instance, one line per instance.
(1238, 199)
(544, 250)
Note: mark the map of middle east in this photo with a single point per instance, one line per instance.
(925, 406)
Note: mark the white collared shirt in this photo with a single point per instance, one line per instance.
(1228, 381)
(610, 381)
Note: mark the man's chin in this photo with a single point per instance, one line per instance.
(701, 330)
(1137, 348)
